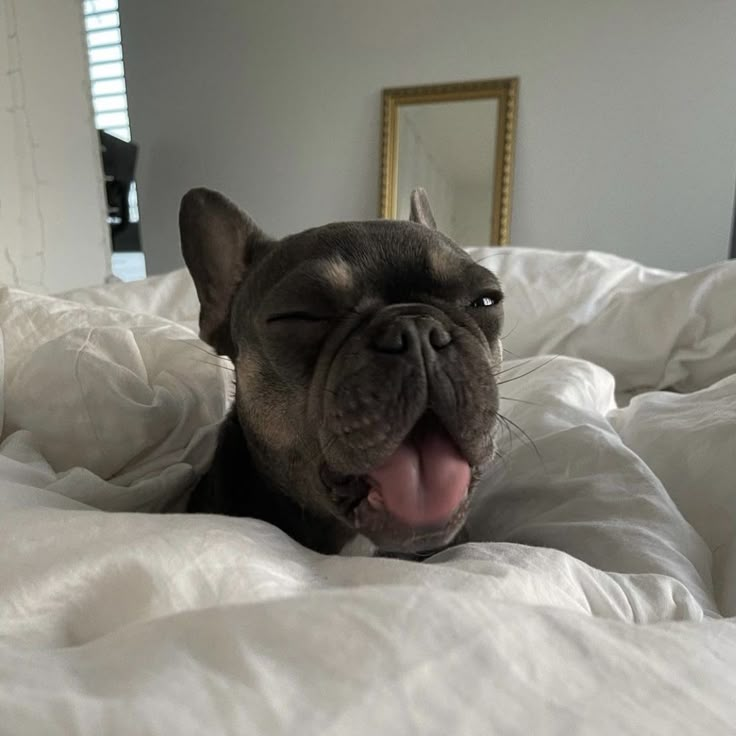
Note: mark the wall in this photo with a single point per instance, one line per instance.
(53, 233)
(626, 138)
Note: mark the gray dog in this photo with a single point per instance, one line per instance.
(365, 358)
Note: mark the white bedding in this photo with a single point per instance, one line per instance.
(595, 596)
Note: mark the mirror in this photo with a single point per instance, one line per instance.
(456, 141)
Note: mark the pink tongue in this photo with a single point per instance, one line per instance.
(423, 482)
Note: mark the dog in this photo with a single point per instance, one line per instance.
(365, 358)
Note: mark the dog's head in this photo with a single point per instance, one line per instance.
(365, 357)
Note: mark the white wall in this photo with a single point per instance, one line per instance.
(53, 233)
(626, 138)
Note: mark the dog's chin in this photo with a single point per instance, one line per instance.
(393, 536)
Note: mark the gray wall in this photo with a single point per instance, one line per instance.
(626, 138)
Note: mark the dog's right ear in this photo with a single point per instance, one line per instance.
(219, 243)
(420, 211)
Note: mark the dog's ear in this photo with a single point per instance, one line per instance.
(219, 243)
(421, 212)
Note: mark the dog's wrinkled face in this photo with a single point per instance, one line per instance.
(365, 356)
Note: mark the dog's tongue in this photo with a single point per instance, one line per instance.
(424, 481)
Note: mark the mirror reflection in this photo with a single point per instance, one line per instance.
(457, 142)
(449, 149)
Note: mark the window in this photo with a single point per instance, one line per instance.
(107, 76)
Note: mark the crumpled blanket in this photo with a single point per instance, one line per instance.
(595, 594)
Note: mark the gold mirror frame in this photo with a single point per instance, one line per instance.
(503, 90)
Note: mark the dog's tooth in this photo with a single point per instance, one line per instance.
(375, 500)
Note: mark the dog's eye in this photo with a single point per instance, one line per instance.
(296, 317)
(489, 299)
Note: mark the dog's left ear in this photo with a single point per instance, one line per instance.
(219, 243)
(421, 212)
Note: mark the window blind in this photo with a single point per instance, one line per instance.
(107, 75)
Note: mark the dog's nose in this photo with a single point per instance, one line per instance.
(403, 334)
(439, 337)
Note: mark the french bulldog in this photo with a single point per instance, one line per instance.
(365, 359)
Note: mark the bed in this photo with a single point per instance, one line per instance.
(597, 594)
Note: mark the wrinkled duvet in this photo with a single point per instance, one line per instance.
(598, 594)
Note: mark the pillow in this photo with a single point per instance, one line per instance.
(103, 400)
(650, 328)
(171, 295)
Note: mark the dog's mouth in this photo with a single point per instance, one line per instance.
(416, 498)
(424, 480)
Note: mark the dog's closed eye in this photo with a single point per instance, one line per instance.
(296, 317)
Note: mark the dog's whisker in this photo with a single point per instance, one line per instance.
(501, 426)
(533, 370)
(510, 332)
(513, 367)
(520, 401)
(502, 457)
(198, 345)
(513, 424)
(215, 365)
(510, 436)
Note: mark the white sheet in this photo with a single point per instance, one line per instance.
(593, 597)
